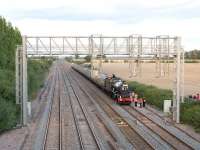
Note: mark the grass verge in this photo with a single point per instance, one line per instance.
(37, 71)
(190, 110)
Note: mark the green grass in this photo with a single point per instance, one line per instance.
(191, 61)
(37, 70)
(153, 95)
(190, 110)
(190, 114)
(9, 114)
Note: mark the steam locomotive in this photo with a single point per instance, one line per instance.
(112, 85)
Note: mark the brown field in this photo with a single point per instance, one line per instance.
(192, 75)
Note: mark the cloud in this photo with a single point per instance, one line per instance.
(91, 4)
(116, 17)
(185, 28)
(115, 10)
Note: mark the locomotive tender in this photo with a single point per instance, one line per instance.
(112, 85)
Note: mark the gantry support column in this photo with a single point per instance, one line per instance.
(101, 54)
(21, 81)
(138, 61)
(91, 49)
(177, 85)
(131, 55)
(182, 74)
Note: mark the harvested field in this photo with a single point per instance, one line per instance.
(192, 75)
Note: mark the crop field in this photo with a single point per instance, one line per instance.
(192, 75)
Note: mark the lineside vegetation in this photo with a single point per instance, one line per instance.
(190, 110)
(37, 71)
(10, 37)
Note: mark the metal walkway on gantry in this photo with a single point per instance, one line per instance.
(108, 45)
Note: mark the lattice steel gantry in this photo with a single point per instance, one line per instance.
(134, 48)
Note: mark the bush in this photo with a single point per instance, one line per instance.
(10, 37)
(154, 96)
(106, 60)
(37, 70)
(190, 110)
(191, 61)
(190, 114)
(194, 54)
(88, 58)
(8, 114)
(76, 56)
(69, 59)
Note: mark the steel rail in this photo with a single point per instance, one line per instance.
(49, 116)
(155, 124)
(84, 91)
(159, 116)
(50, 113)
(74, 116)
(84, 113)
(60, 117)
(162, 128)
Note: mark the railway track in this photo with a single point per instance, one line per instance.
(85, 130)
(72, 87)
(53, 131)
(176, 132)
(37, 111)
(161, 132)
(132, 136)
(173, 141)
(162, 117)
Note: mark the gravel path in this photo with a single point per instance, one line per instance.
(12, 140)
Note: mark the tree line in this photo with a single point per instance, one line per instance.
(10, 37)
(194, 54)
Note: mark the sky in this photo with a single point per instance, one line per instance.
(106, 17)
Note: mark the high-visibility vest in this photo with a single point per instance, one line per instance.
(140, 100)
(135, 99)
(198, 97)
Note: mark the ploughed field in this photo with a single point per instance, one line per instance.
(192, 75)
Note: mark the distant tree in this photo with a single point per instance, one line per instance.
(76, 56)
(194, 54)
(101, 56)
(69, 59)
(10, 37)
(88, 58)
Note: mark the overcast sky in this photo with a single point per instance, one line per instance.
(107, 17)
